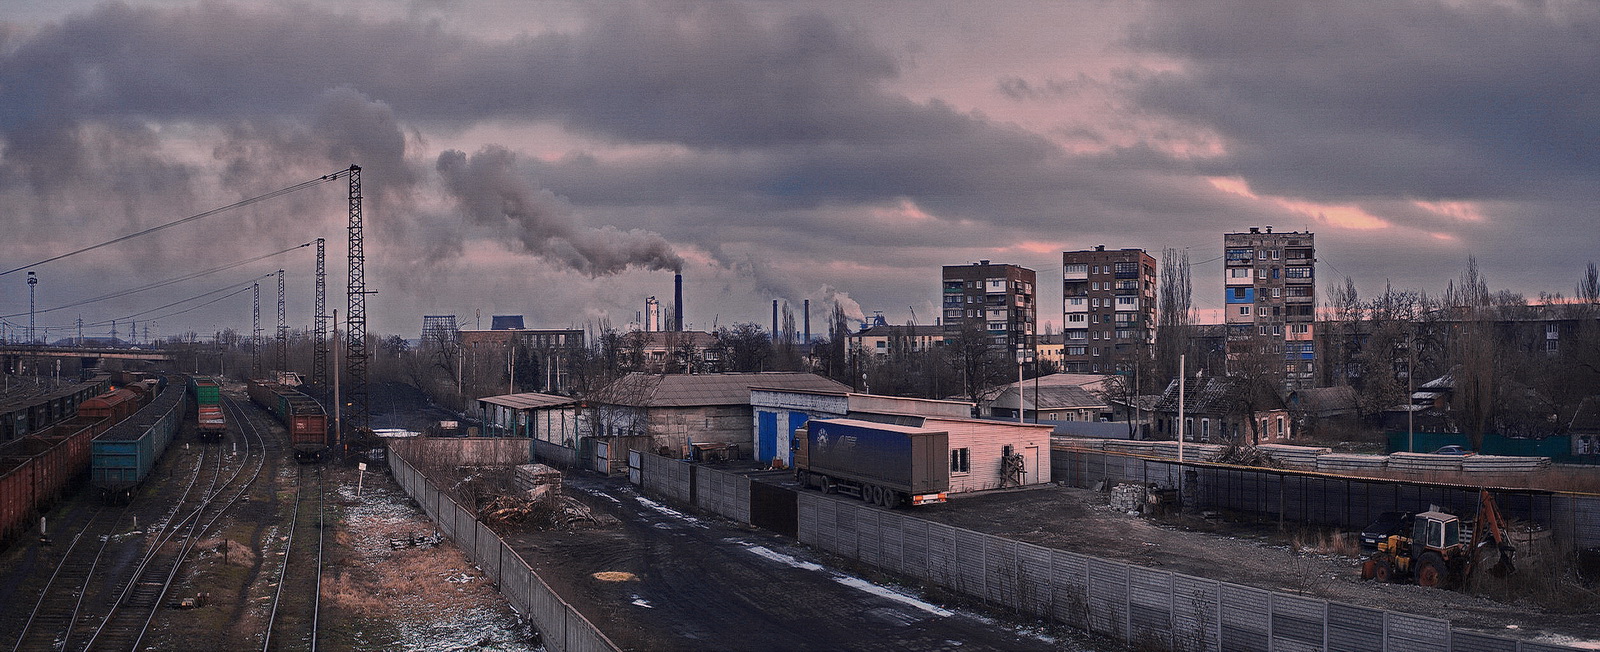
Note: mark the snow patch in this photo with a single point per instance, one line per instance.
(641, 602)
(669, 512)
(761, 551)
(868, 587)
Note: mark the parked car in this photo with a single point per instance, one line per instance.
(1453, 450)
(1388, 524)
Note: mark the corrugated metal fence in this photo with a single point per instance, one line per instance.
(1134, 604)
(1323, 499)
(562, 627)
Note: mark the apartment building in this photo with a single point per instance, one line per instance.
(999, 298)
(1270, 292)
(1109, 307)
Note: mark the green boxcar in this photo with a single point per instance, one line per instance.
(122, 457)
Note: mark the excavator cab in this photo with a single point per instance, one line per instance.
(1435, 531)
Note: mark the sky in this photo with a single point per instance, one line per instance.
(560, 160)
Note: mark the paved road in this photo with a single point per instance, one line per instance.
(704, 583)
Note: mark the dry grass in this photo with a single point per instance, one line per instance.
(1326, 542)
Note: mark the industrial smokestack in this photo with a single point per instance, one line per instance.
(808, 321)
(677, 302)
(774, 321)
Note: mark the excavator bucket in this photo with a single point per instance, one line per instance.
(1507, 563)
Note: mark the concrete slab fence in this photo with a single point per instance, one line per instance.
(1153, 608)
(562, 628)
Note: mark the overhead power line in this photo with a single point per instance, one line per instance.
(240, 204)
(162, 283)
(182, 301)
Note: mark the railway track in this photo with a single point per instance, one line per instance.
(96, 567)
(123, 584)
(292, 624)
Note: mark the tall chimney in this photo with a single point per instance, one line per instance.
(774, 321)
(808, 322)
(677, 302)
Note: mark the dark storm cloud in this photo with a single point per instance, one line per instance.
(1476, 100)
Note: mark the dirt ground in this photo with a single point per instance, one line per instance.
(423, 595)
(655, 578)
(1257, 554)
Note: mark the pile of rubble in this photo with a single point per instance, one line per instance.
(537, 501)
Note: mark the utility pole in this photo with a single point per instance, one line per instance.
(319, 324)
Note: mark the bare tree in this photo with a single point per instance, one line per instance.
(1175, 313)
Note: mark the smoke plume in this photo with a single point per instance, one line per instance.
(492, 193)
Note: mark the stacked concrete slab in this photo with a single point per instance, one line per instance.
(1086, 443)
(1295, 457)
(1343, 462)
(1424, 463)
(1503, 464)
(1192, 452)
(1129, 447)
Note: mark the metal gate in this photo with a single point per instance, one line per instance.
(635, 466)
(774, 508)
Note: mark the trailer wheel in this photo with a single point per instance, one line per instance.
(827, 485)
(872, 494)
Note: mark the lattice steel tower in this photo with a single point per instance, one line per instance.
(356, 417)
(283, 329)
(255, 330)
(319, 323)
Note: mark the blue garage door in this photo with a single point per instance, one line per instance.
(766, 436)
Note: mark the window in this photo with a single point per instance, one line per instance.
(1297, 272)
(1261, 272)
(1238, 272)
(960, 460)
(1205, 430)
(1128, 301)
(1075, 350)
(1552, 332)
(1298, 290)
(1282, 434)
(1076, 317)
(1240, 293)
(1244, 310)
(1077, 268)
(1300, 329)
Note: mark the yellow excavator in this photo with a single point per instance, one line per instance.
(1433, 555)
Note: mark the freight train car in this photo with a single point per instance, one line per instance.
(35, 470)
(122, 456)
(301, 415)
(23, 413)
(207, 397)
